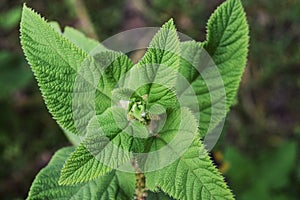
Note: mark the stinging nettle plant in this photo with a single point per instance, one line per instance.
(149, 117)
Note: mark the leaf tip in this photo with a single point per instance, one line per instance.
(169, 24)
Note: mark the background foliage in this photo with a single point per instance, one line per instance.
(259, 149)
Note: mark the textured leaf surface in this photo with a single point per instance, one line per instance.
(108, 146)
(78, 38)
(55, 62)
(227, 45)
(95, 157)
(93, 88)
(115, 185)
(192, 176)
(159, 66)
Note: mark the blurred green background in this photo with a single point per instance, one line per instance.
(259, 149)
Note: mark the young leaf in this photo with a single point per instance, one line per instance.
(115, 185)
(192, 176)
(108, 146)
(159, 66)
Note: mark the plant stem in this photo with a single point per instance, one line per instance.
(140, 186)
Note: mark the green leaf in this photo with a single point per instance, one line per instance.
(192, 176)
(204, 90)
(55, 26)
(159, 67)
(95, 157)
(83, 42)
(74, 139)
(78, 38)
(115, 185)
(57, 64)
(227, 45)
(93, 88)
(175, 133)
(108, 146)
(54, 61)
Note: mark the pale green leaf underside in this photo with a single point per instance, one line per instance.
(83, 42)
(55, 26)
(115, 185)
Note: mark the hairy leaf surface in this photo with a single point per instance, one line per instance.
(192, 176)
(115, 185)
(227, 45)
(54, 61)
(158, 68)
(109, 144)
(116, 105)
(57, 64)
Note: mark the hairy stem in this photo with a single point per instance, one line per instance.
(140, 185)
